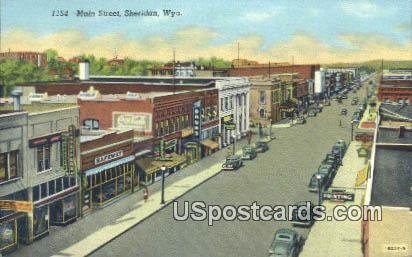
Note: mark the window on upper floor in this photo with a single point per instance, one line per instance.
(91, 123)
(8, 165)
(43, 157)
(262, 97)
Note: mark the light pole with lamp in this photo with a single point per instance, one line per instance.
(234, 143)
(162, 201)
(318, 178)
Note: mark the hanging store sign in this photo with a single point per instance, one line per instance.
(338, 196)
(108, 157)
(197, 118)
(17, 206)
(364, 137)
(230, 126)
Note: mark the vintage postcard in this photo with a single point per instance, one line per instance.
(205, 128)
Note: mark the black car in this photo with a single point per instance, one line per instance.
(338, 153)
(261, 147)
(344, 111)
(313, 183)
(286, 243)
(306, 216)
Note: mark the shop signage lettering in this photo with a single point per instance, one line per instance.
(53, 138)
(230, 126)
(132, 120)
(197, 119)
(108, 157)
(338, 196)
(364, 137)
(17, 206)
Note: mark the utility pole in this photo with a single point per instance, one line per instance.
(238, 54)
(174, 71)
(269, 69)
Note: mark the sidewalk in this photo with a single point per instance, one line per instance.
(339, 238)
(93, 231)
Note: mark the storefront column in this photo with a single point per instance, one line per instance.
(30, 217)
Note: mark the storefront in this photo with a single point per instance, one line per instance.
(287, 109)
(208, 147)
(150, 167)
(105, 183)
(8, 232)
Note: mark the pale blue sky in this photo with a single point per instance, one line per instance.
(273, 22)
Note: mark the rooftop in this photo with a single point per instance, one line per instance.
(391, 135)
(395, 111)
(36, 107)
(392, 177)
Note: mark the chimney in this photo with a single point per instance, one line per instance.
(401, 131)
(84, 70)
(16, 94)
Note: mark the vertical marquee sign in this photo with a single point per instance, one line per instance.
(68, 150)
(197, 119)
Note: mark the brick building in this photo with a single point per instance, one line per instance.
(107, 167)
(304, 71)
(399, 91)
(38, 59)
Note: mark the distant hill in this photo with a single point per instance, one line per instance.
(373, 65)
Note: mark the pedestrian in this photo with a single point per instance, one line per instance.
(145, 193)
(340, 123)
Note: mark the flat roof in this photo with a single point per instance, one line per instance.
(37, 107)
(396, 111)
(391, 135)
(392, 177)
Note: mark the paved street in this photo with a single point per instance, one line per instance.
(279, 176)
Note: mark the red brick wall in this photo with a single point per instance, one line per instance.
(73, 88)
(102, 110)
(304, 71)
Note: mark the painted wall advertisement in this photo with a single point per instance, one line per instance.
(138, 121)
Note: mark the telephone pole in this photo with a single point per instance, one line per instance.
(174, 71)
(238, 54)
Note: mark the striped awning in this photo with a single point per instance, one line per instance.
(109, 165)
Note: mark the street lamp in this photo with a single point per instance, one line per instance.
(318, 178)
(234, 143)
(162, 201)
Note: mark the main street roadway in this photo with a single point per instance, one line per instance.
(277, 177)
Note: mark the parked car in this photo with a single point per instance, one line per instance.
(261, 147)
(328, 171)
(332, 160)
(312, 113)
(232, 162)
(354, 102)
(338, 153)
(248, 153)
(313, 183)
(306, 220)
(286, 243)
(341, 143)
(344, 111)
(300, 120)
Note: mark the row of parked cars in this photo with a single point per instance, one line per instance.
(328, 168)
(357, 115)
(249, 152)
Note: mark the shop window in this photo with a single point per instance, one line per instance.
(36, 193)
(262, 97)
(43, 158)
(59, 186)
(66, 182)
(52, 187)
(7, 234)
(40, 220)
(231, 103)
(72, 181)
(91, 124)
(221, 104)
(43, 190)
(226, 103)
(8, 165)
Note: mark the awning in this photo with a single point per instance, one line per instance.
(109, 165)
(187, 132)
(362, 176)
(151, 165)
(210, 143)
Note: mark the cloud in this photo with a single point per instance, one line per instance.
(404, 27)
(259, 16)
(193, 42)
(360, 9)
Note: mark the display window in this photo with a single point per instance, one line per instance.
(40, 220)
(8, 234)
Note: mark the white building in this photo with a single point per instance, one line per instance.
(234, 95)
(319, 81)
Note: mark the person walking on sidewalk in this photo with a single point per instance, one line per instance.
(340, 123)
(145, 193)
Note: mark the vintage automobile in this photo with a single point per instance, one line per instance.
(344, 111)
(306, 217)
(354, 102)
(313, 183)
(261, 147)
(300, 120)
(232, 162)
(332, 160)
(337, 151)
(248, 153)
(328, 171)
(286, 243)
(342, 144)
(312, 113)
